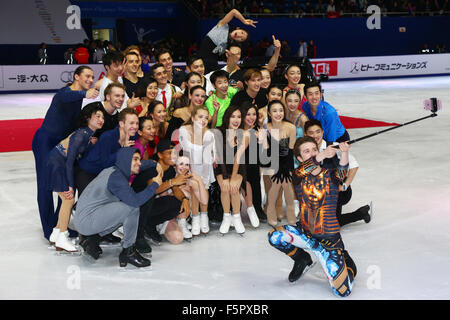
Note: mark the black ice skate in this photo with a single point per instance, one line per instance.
(90, 244)
(130, 255)
(142, 246)
(300, 267)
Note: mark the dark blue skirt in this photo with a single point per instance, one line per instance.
(57, 175)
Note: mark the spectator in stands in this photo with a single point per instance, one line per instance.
(42, 54)
(308, 8)
(331, 7)
(285, 49)
(193, 48)
(98, 54)
(352, 8)
(81, 54)
(312, 49)
(425, 49)
(68, 56)
(303, 48)
(445, 7)
(443, 48)
(363, 5)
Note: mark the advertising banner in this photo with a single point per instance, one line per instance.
(383, 66)
(41, 77)
(53, 77)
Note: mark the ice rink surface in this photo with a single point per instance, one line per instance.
(404, 253)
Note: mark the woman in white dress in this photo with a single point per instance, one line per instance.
(197, 143)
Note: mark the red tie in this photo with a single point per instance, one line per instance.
(164, 99)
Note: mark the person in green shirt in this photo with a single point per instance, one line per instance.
(220, 100)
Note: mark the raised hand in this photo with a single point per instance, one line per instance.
(92, 93)
(250, 22)
(276, 42)
(216, 104)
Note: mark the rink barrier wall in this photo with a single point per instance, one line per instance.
(26, 78)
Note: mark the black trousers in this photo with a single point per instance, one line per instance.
(82, 179)
(156, 210)
(343, 219)
(254, 179)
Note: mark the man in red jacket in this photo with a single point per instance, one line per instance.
(81, 55)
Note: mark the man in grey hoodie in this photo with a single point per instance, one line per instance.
(109, 202)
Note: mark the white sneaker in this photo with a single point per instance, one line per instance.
(64, 244)
(237, 221)
(195, 225)
(54, 236)
(226, 222)
(296, 208)
(186, 233)
(253, 216)
(204, 222)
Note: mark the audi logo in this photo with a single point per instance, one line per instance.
(67, 76)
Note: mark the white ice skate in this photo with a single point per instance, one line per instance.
(238, 225)
(253, 216)
(204, 222)
(226, 222)
(195, 225)
(63, 243)
(54, 236)
(187, 235)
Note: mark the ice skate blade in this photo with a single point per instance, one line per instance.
(156, 243)
(304, 272)
(187, 240)
(131, 268)
(145, 255)
(68, 253)
(88, 258)
(110, 244)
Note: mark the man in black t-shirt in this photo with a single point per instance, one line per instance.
(131, 81)
(253, 91)
(169, 201)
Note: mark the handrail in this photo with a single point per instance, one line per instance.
(341, 14)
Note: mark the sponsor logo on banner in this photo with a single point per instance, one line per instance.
(66, 76)
(358, 67)
(330, 68)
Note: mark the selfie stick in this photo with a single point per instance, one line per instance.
(432, 105)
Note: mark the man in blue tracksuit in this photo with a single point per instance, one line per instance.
(109, 202)
(60, 121)
(317, 108)
(103, 154)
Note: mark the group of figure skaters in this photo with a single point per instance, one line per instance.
(139, 152)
